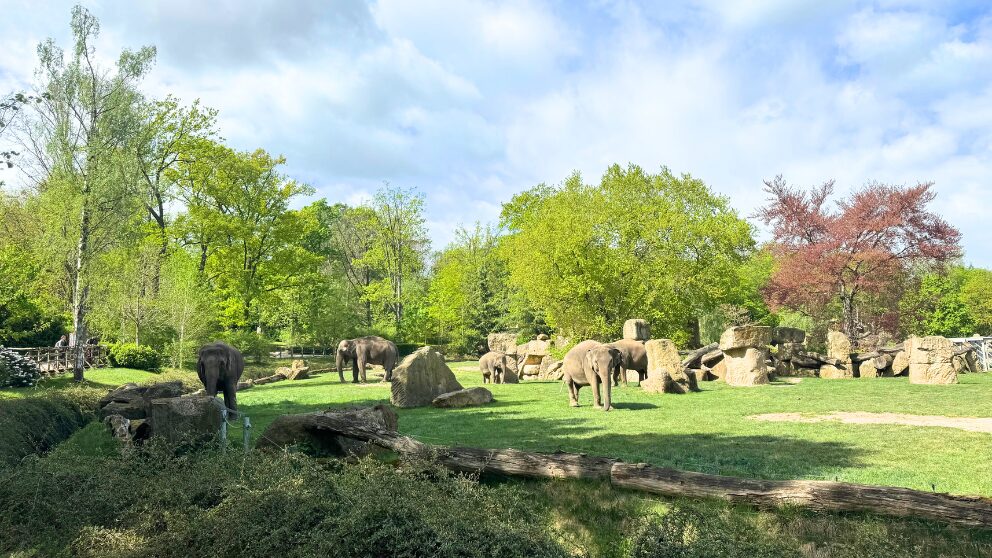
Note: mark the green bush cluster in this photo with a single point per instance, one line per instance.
(35, 424)
(150, 502)
(17, 370)
(252, 345)
(138, 357)
(405, 349)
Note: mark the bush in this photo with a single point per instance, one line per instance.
(35, 424)
(138, 357)
(251, 344)
(17, 370)
(407, 348)
(150, 502)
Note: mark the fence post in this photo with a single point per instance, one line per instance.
(246, 432)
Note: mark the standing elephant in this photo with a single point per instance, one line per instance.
(495, 367)
(635, 357)
(591, 363)
(367, 350)
(219, 367)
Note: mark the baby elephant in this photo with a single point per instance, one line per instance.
(495, 367)
(591, 363)
(219, 367)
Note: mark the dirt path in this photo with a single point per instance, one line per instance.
(971, 424)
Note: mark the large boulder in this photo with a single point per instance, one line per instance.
(314, 430)
(742, 337)
(930, 360)
(839, 348)
(665, 371)
(420, 378)
(192, 419)
(470, 397)
(637, 330)
(503, 342)
(131, 401)
(746, 366)
(783, 335)
(900, 363)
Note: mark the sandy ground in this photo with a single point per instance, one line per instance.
(971, 424)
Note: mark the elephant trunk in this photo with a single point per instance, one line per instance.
(339, 359)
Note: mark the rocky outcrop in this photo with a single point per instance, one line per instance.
(931, 360)
(636, 330)
(665, 371)
(839, 348)
(420, 378)
(900, 363)
(745, 352)
(788, 335)
(186, 420)
(504, 342)
(470, 397)
(310, 430)
(132, 401)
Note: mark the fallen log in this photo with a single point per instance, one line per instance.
(971, 511)
(861, 357)
(711, 358)
(693, 358)
(882, 361)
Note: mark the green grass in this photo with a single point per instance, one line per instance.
(707, 431)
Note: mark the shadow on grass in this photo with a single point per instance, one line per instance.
(634, 406)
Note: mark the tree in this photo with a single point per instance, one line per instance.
(398, 250)
(954, 302)
(75, 137)
(186, 304)
(353, 234)
(655, 246)
(976, 293)
(851, 252)
(469, 297)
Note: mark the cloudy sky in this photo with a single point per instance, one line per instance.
(470, 101)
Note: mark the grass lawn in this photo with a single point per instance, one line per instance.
(708, 431)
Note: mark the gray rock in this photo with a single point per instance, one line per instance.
(420, 378)
(464, 398)
(194, 419)
(742, 337)
(313, 430)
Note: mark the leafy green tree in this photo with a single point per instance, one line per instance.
(976, 293)
(25, 318)
(187, 306)
(954, 302)
(655, 246)
(399, 248)
(75, 138)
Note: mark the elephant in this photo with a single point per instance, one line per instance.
(591, 363)
(495, 367)
(367, 350)
(219, 367)
(635, 357)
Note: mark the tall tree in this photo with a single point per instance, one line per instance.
(399, 248)
(76, 135)
(353, 234)
(655, 246)
(853, 250)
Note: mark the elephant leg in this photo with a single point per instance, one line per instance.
(607, 396)
(231, 395)
(485, 378)
(389, 374)
(361, 368)
(354, 370)
(595, 391)
(573, 394)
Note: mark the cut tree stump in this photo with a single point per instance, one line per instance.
(970, 511)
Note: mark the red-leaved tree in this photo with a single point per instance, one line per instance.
(854, 248)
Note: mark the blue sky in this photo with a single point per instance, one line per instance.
(473, 101)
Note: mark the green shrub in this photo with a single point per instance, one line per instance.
(686, 533)
(138, 357)
(251, 344)
(150, 502)
(407, 348)
(17, 370)
(35, 424)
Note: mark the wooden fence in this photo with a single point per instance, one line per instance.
(54, 361)
(297, 351)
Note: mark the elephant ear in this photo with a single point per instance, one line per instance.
(590, 361)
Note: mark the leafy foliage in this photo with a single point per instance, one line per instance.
(17, 370)
(139, 357)
(35, 424)
(656, 246)
(852, 254)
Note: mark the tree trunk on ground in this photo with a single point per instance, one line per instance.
(817, 495)
(692, 359)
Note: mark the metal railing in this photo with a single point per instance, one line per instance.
(983, 349)
(58, 360)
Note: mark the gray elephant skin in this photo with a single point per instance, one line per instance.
(494, 366)
(634, 357)
(219, 367)
(367, 350)
(591, 363)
